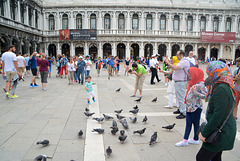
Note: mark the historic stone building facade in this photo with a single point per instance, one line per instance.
(130, 28)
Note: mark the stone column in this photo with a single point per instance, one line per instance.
(222, 23)
(128, 26)
(71, 21)
(100, 50)
(59, 51)
(169, 51)
(86, 50)
(183, 24)
(156, 23)
(234, 24)
(170, 23)
(114, 23)
(33, 17)
(209, 23)
(233, 52)
(196, 50)
(45, 49)
(208, 52)
(26, 16)
(8, 9)
(141, 50)
(142, 23)
(100, 21)
(128, 50)
(86, 21)
(114, 52)
(155, 49)
(57, 20)
(182, 47)
(221, 51)
(196, 23)
(46, 27)
(18, 12)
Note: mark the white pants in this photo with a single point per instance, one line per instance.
(170, 99)
(89, 94)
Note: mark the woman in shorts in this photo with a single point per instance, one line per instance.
(127, 66)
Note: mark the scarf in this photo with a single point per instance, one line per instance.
(218, 72)
(197, 76)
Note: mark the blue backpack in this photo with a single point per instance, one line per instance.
(65, 61)
(191, 64)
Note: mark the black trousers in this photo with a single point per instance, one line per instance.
(205, 155)
(154, 74)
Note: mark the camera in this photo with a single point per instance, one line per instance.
(130, 70)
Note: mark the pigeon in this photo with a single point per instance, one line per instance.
(153, 138)
(120, 117)
(89, 114)
(109, 151)
(99, 120)
(122, 138)
(43, 142)
(139, 131)
(145, 119)
(169, 127)
(42, 158)
(87, 110)
(118, 90)
(100, 131)
(133, 119)
(107, 117)
(136, 107)
(114, 123)
(124, 124)
(154, 100)
(80, 134)
(134, 111)
(114, 130)
(138, 100)
(119, 111)
(122, 132)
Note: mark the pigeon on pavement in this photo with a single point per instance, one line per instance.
(136, 107)
(153, 138)
(122, 132)
(80, 134)
(134, 111)
(89, 114)
(109, 151)
(100, 131)
(114, 130)
(120, 117)
(118, 90)
(99, 120)
(138, 100)
(87, 109)
(118, 111)
(42, 158)
(154, 100)
(43, 142)
(139, 131)
(145, 119)
(169, 127)
(133, 119)
(107, 117)
(114, 123)
(124, 124)
(122, 138)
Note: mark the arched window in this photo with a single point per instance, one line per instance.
(2, 8)
(65, 21)
(135, 22)
(93, 23)
(228, 24)
(12, 9)
(176, 23)
(107, 22)
(121, 22)
(79, 21)
(215, 24)
(149, 22)
(36, 19)
(203, 24)
(190, 23)
(51, 22)
(163, 22)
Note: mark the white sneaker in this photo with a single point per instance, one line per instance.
(191, 141)
(168, 106)
(165, 84)
(181, 143)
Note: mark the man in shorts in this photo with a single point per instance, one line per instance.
(33, 61)
(10, 67)
(21, 64)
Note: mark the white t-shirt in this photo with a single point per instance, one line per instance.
(152, 63)
(192, 60)
(70, 66)
(20, 61)
(8, 58)
(88, 66)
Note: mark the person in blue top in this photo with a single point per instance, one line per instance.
(33, 66)
(27, 63)
(110, 65)
(104, 63)
(89, 89)
(81, 69)
(50, 66)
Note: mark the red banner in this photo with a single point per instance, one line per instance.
(228, 37)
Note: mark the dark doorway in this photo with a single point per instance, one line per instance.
(31, 47)
(107, 50)
(214, 53)
(93, 51)
(121, 51)
(79, 51)
(148, 51)
(188, 48)
(135, 51)
(162, 49)
(15, 42)
(201, 53)
(52, 50)
(3, 45)
(66, 50)
(237, 53)
(175, 49)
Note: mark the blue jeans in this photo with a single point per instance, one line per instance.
(75, 75)
(59, 69)
(192, 118)
(82, 76)
(87, 73)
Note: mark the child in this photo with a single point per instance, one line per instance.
(195, 92)
(89, 89)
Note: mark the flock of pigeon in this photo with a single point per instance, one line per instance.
(114, 128)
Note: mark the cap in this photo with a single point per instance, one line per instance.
(80, 57)
(37, 55)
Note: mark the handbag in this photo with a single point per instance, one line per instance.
(214, 137)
